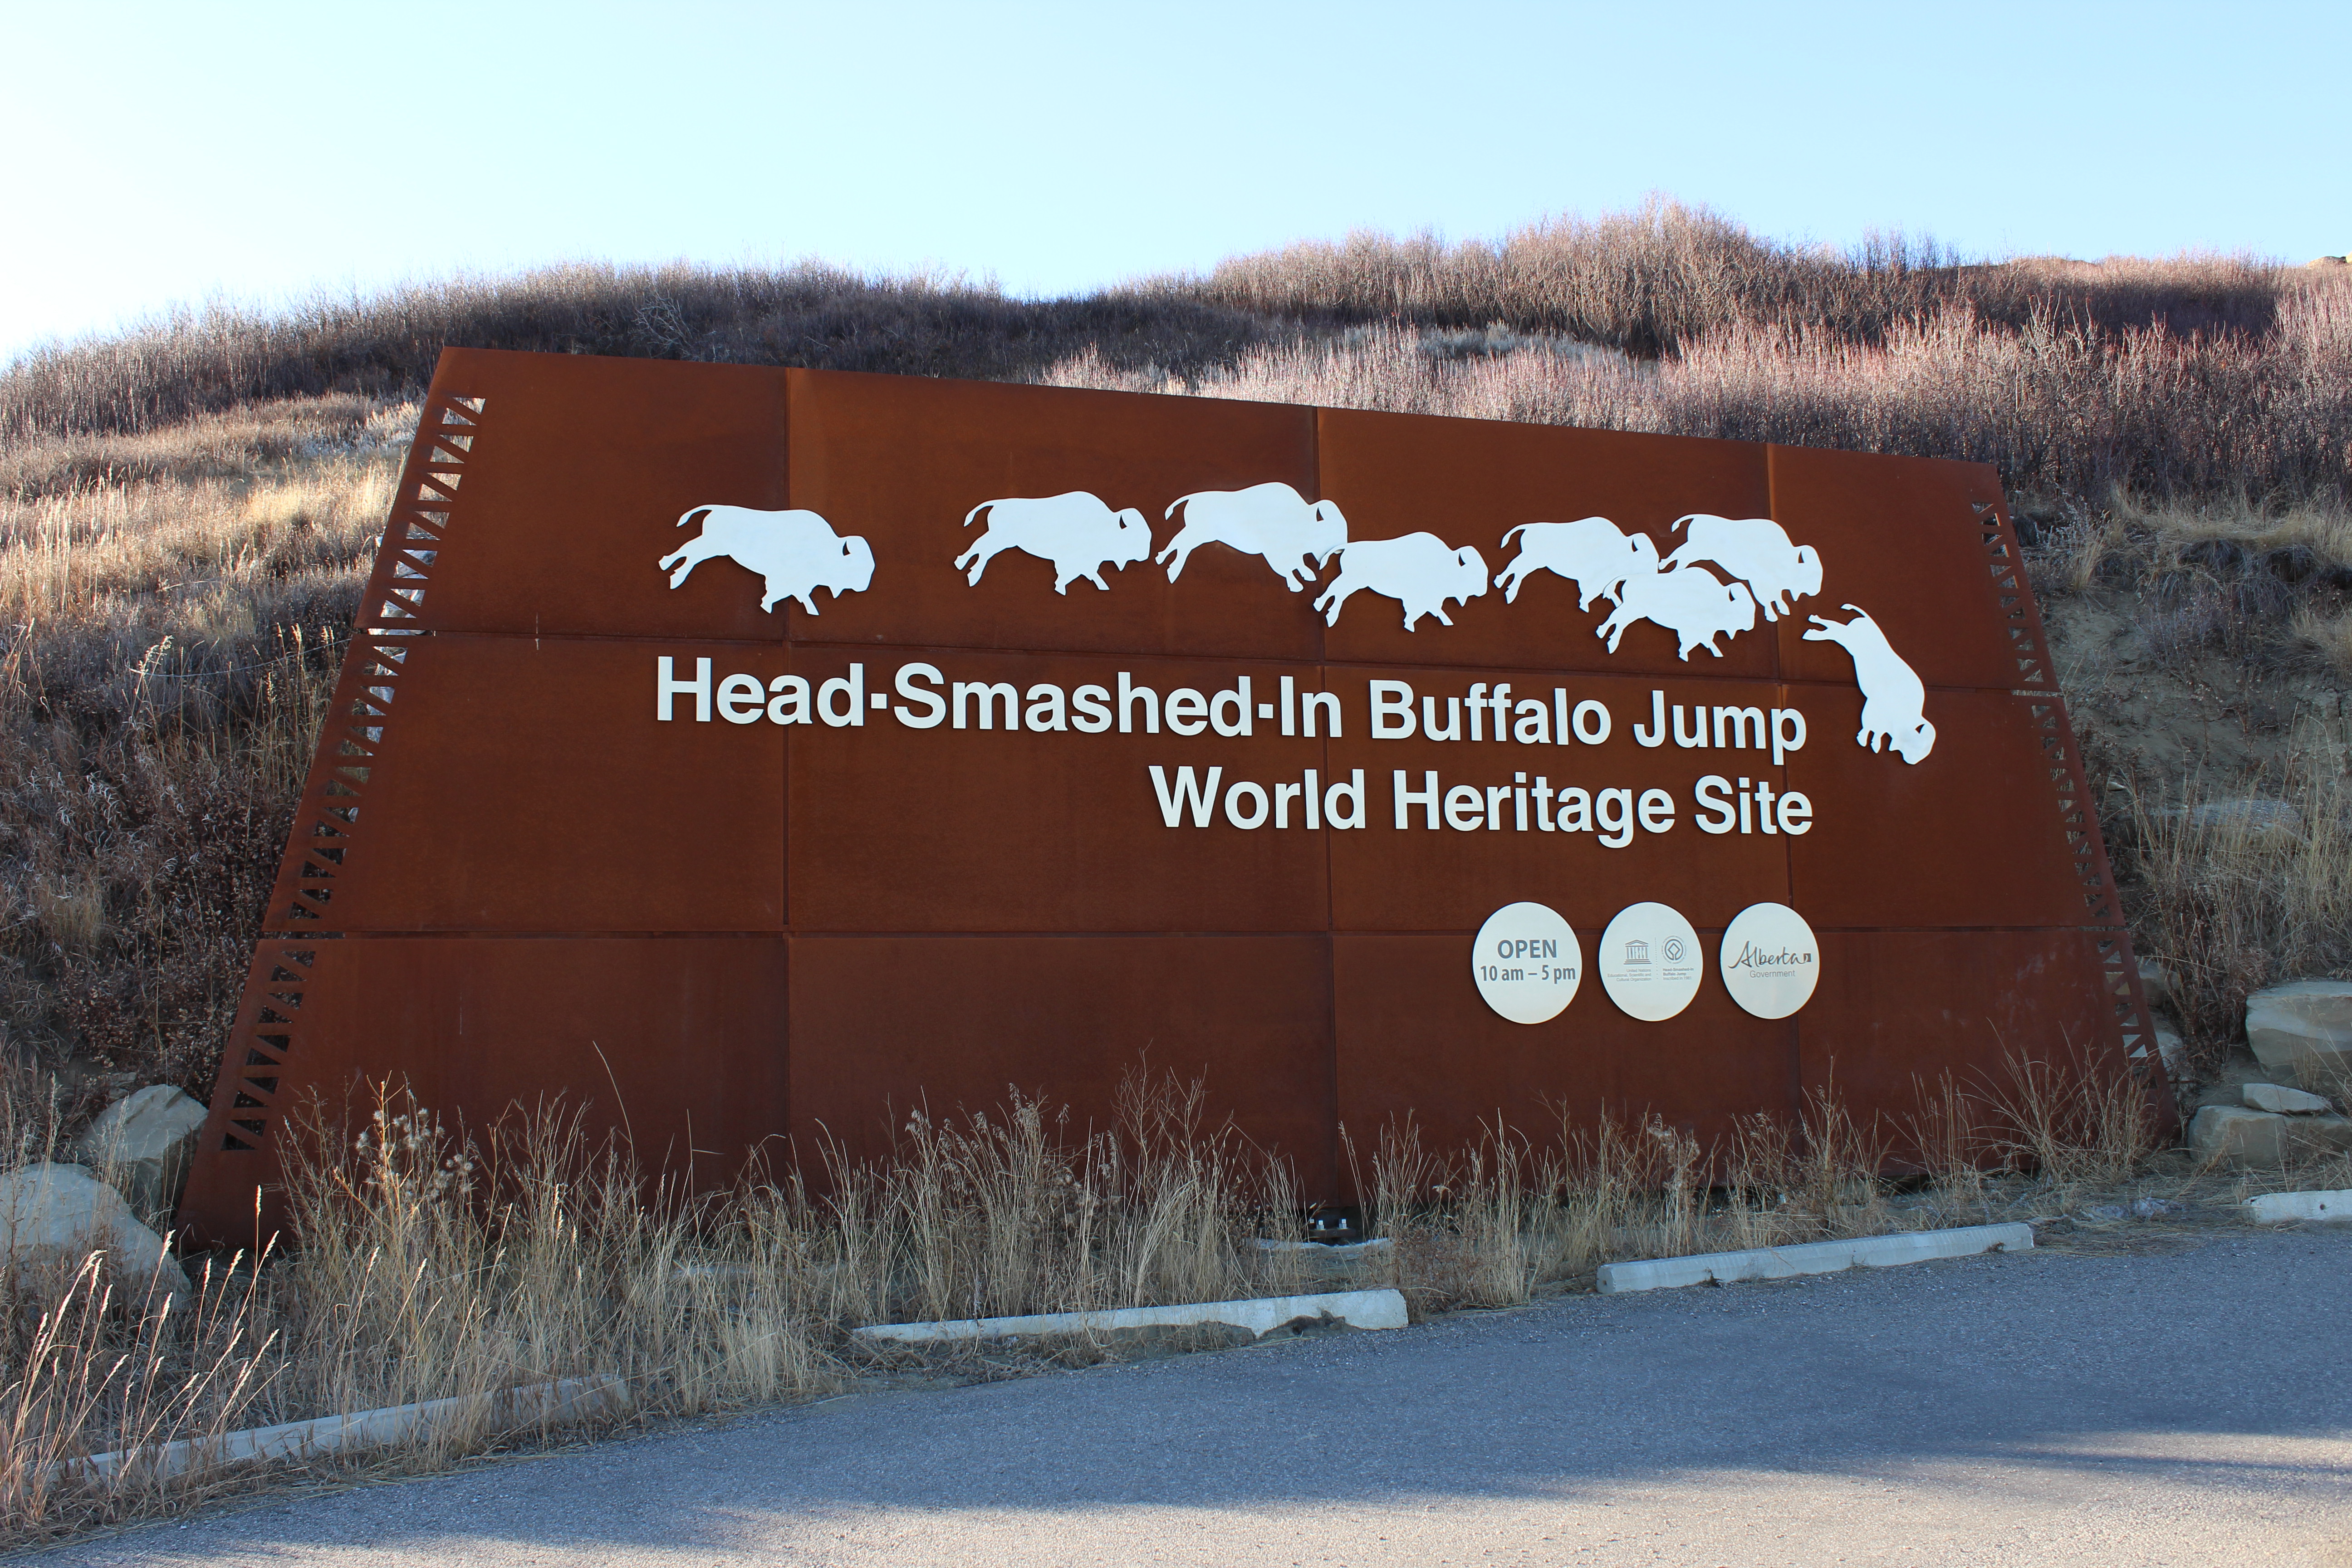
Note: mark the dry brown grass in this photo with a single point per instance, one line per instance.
(172, 609)
(1493, 1225)
(2244, 885)
(435, 1264)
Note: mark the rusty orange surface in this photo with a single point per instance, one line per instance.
(509, 879)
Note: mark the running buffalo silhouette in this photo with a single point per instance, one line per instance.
(1589, 552)
(1269, 519)
(1420, 571)
(1757, 551)
(1689, 603)
(1074, 530)
(796, 553)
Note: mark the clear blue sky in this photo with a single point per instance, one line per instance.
(172, 153)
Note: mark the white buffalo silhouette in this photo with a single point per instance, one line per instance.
(1757, 551)
(796, 553)
(1269, 519)
(1419, 571)
(1689, 603)
(1074, 530)
(1892, 692)
(1589, 552)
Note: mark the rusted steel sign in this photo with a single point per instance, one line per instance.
(752, 752)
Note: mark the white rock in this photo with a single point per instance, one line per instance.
(2303, 1029)
(2285, 1102)
(2323, 1003)
(2155, 983)
(2233, 1134)
(2263, 1139)
(143, 1143)
(61, 1214)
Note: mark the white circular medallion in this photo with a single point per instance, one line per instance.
(1526, 962)
(1769, 961)
(1650, 962)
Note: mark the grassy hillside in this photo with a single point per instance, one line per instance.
(187, 511)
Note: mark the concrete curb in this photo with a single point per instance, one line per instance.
(1357, 1309)
(1813, 1258)
(2277, 1208)
(565, 1399)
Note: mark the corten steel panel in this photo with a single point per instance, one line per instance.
(1413, 1039)
(566, 511)
(937, 829)
(524, 783)
(880, 1023)
(1903, 539)
(493, 767)
(678, 1040)
(1452, 880)
(902, 461)
(1897, 1012)
(1989, 831)
(1470, 481)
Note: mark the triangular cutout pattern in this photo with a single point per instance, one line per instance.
(2006, 562)
(268, 1031)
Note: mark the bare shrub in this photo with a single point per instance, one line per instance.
(2077, 411)
(1657, 280)
(383, 346)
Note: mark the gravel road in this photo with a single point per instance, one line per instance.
(2180, 1399)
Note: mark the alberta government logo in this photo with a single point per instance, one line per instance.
(1752, 957)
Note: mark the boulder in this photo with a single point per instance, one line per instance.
(143, 1143)
(61, 1214)
(2262, 1140)
(2303, 1029)
(2170, 1049)
(2155, 983)
(2285, 1102)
